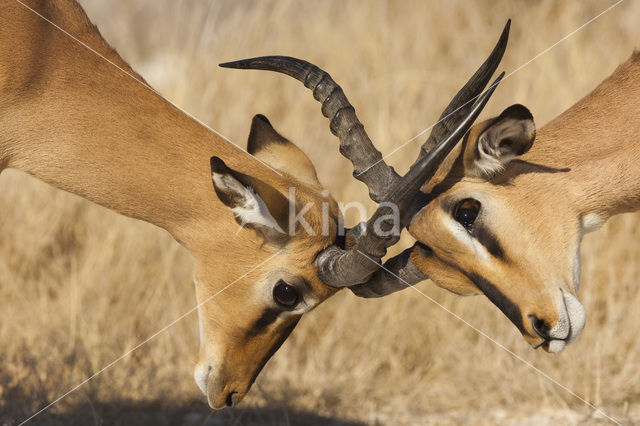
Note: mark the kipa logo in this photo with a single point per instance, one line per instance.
(384, 225)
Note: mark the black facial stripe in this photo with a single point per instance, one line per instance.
(489, 241)
(268, 317)
(493, 294)
(507, 307)
(285, 333)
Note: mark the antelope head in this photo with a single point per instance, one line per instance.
(246, 318)
(475, 235)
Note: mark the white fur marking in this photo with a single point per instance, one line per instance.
(201, 376)
(254, 210)
(463, 236)
(591, 222)
(556, 346)
(487, 165)
(571, 320)
(577, 316)
(201, 330)
(576, 268)
(493, 159)
(562, 328)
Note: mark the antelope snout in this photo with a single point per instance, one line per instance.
(219, 391)
(567, 328)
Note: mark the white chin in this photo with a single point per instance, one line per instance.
(577, 316)
(556, 346)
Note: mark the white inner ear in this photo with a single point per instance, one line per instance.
(252, 210)
(494, 159)
(488, 164)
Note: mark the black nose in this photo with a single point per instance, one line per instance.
(540, 326)
(232, 399)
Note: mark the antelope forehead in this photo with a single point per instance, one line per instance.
(313, 220)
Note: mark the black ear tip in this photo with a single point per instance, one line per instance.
(519, 111)
(217, 165)
(261, 118)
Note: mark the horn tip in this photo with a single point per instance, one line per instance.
(232, 64)
(487, 93)
(507, 28)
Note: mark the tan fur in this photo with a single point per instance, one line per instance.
(287, 158)
(67, 118)
(584, 162)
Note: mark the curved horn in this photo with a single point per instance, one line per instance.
(355, 145)
(465, 97)
(343, 268)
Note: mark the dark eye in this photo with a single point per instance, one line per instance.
(285, 295)
(466, 212)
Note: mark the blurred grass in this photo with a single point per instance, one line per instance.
(80, 285)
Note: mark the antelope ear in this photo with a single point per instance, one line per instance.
(254, 203)
(269, 146)
(491, 145)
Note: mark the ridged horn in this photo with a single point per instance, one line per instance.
(355, 144)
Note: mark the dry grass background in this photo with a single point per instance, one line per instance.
(79, 285)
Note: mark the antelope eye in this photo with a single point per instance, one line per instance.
(285, 295)
(466, 212)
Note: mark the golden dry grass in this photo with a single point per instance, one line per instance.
(79, 285)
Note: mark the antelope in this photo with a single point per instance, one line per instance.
(505, 217)
(75, 115)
